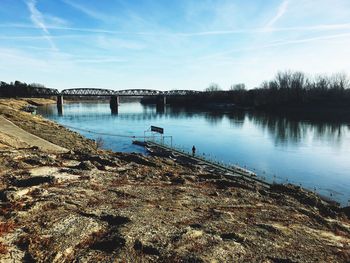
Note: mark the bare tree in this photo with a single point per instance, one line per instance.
(239, 86)
(213, 87)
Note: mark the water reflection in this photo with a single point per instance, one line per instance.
(285, 129)
(298, 148)
(289, 129)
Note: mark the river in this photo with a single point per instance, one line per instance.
(313, 154)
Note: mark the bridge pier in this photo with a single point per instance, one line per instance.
(161, 103)
(113, 103)
(60, 104)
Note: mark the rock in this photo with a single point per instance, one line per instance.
(86, 165)
(281, 260)
(346, 211)
(109, 242)
(224, 184)
(169, 174)
(193, 234)
(136, 159)
(307, 198)
(195, 225)
(263, 192)
(178, 180)
(147, 249)
(32, 181)
(72, 171)
(102, 159)
(269, 228)
(115, 220)
(210, 176)
(13, 194)
(233, 236)
(39, 160)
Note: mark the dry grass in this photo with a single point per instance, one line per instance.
(10, 207)
(5, 228)
(3, 248)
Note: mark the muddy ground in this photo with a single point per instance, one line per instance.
(89, 205)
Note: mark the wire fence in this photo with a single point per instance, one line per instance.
(268, 177)
(207, 157)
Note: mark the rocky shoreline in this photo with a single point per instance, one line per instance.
(90, 205)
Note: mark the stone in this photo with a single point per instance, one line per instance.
(147, 249)
(86, 165)
(33, 181)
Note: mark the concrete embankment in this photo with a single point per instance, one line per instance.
(89, 205)
(10, 129)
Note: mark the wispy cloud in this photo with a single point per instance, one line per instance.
(38, 20)
(311, 39)
(110, 43)
(276, 44)
(88, 11)
(36, 16)
(322, 27)
(282, 9)
(99, 60)
(36, 37)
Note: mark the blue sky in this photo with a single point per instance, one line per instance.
(161, 44)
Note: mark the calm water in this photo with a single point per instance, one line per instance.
(314, 154)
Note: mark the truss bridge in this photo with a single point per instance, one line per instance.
(116, 94)
(128, 92)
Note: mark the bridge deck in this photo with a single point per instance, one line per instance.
(129, 92)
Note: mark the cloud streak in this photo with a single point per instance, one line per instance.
(277, 44)
(322, 27)
(38, 20)
(87, 11)
(282, 9)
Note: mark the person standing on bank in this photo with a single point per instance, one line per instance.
(193, 150)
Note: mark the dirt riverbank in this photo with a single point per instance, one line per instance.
(89, 205)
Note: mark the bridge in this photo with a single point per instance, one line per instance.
(127, 92)
(115, 94)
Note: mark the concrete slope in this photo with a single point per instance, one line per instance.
(9, 128)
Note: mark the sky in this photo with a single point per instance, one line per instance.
(165, 45)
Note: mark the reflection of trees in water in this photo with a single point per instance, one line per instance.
(333, 131)
(291, 129)
(236, 118)
(285, 129)
(213, 118)
(282, 129)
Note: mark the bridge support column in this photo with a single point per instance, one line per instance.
(60, 104)
(114, 102)
(161, 103)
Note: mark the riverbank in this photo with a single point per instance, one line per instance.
(104, 206)
(50, 131)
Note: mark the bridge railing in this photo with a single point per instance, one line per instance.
(127, 92)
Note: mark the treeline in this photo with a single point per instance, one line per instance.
(287, 90)
(295, 89)
(20, 89)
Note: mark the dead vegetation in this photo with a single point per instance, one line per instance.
(114, 207)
